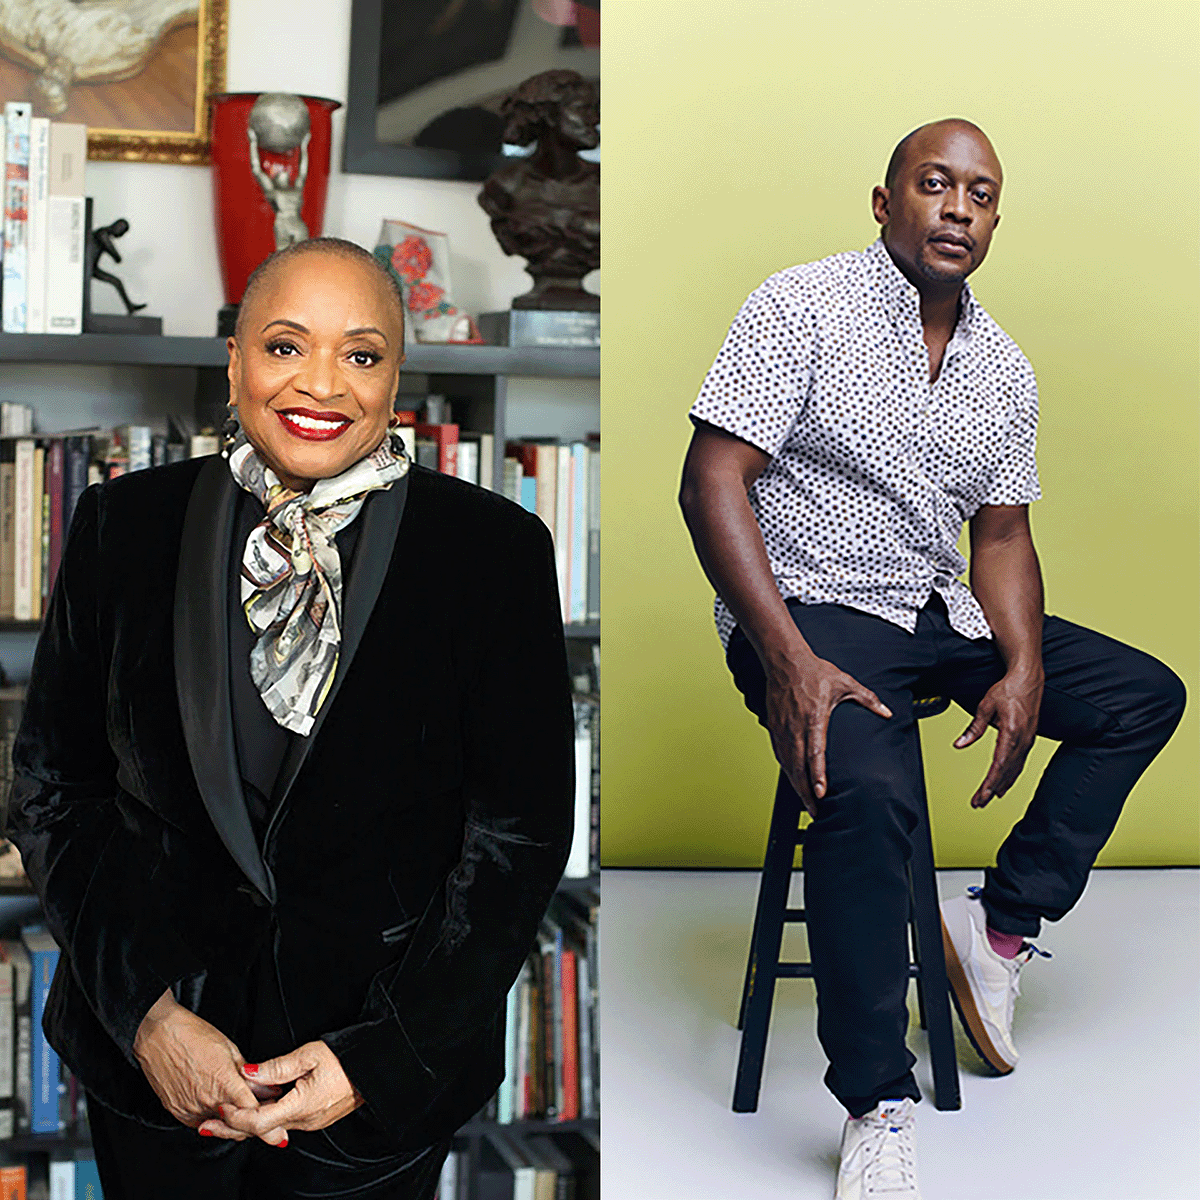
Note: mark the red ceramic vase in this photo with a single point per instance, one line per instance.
(280, 197)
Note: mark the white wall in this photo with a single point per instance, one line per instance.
(170, 251)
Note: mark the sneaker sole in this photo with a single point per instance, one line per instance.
(968, 1013)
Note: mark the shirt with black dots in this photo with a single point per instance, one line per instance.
(873, 468)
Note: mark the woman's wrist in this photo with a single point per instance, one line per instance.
(162, 1008)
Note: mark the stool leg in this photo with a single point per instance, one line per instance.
(935, 992)
(764, 950)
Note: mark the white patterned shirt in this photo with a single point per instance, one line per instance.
(873, 468)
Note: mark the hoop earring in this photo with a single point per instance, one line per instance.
(231, 428)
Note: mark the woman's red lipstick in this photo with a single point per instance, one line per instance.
(313, 425)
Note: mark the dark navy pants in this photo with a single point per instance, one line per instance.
(1110, 706)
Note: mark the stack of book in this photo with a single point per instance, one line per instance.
(560, 481)
(12, 701)
(44, 222)
(444, 446)
(562, 1164)
(42, 477)
(552, 1049)
(38, 1093)
(65, 1177)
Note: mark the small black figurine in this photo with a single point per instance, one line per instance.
(104, 241)
(98, 243)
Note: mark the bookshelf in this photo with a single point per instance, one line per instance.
(475, 381)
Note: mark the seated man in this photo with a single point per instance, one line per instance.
(860, 410)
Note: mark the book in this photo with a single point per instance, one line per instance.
(135, 440)
(593, 529)
(55, 461)
(44, 954)
(39, 211)
(37, 520)
(62, 1178)
(444, 437)
(87, 1180)
(579, 533)
(570, 1035)
(12, 1183)
(65, 228)
(8, 1049)
(77, 453)
(8, 516)
(448, 1180)
(17, 116)
(562, 528)
(18, 955)
(504, 1097)
(468, 458)
(23, 530)
(578, 865)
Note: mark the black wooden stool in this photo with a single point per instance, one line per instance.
(764, 968)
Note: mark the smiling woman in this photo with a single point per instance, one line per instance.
(271, 752)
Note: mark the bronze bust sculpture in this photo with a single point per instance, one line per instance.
(546, 208)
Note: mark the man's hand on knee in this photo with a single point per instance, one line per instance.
(800, 698)
(1012, 705)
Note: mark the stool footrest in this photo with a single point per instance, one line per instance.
(795, 970)
(793, 914)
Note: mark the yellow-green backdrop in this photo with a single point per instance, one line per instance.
(742, 136)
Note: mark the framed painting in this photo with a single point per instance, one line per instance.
(137, 73)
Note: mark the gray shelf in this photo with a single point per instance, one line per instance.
(549, 362)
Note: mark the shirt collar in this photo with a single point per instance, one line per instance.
(903, 302)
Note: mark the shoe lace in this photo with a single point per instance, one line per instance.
(887, 1151)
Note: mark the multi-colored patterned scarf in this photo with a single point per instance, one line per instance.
(291, 582)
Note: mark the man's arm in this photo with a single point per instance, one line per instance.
(802, 689)
(1007, 582)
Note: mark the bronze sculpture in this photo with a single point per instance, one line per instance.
(546, 207)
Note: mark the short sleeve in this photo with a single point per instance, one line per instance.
(1015, 480)
(758, 382)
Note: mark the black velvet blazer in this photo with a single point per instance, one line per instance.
(424, 825)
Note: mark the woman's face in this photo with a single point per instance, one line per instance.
(315, 374)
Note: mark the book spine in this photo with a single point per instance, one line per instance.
(521, 1107)
(45, 1115)
(583, 1007)
(64, 264)
(7, 1050)
(62, 1179)
(23, 532)
(577, 859)
(579, 531)
(8, 514)
(556, 1087)
(54, 486)
(570, 1037)
(78, 452)
(39, 195)
(12, 1183)
(87, 1180)
(562, 527)
(487, 460)
(37, 519)
(504, 1097)
(593, 567)
(17, 115)
(547, 481)
(594, 784)
(23, 1016)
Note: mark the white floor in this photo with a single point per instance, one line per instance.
(1103, 1105)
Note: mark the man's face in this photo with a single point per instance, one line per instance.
(942, 207)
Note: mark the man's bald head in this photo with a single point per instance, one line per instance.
(905, 144)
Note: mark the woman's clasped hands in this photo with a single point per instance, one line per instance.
(204, 1082)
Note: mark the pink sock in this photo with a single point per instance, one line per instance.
(1007, 945)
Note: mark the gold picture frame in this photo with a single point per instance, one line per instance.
(125, 145)
(136, 105)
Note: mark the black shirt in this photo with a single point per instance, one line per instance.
(260, 740)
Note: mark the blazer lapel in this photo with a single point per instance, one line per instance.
(201, 645)
(372, 557)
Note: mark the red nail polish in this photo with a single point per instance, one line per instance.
(283, 1144)
(206, 1133)
(250, 1068)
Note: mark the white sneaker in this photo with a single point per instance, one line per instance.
(877, 1154)
(983, 984)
